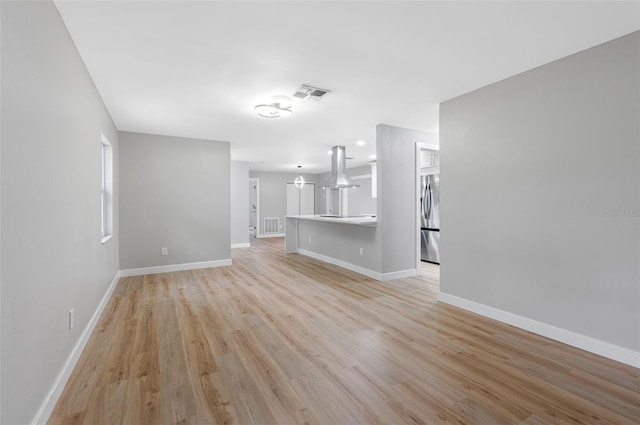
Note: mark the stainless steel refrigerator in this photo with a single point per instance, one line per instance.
(430, 218)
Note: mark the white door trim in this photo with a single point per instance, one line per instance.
(257, 181)
(419, 146)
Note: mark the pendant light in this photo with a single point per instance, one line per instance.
(299, 181)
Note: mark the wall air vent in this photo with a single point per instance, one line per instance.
(309, 92)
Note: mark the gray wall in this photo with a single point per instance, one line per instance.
(540, 200)
(239, 202)
(52, 256)
(321, 203)
(273, 193)
(341, 241)
(175, 193)
(390, 248)
(397, 196)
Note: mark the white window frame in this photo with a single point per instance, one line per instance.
(106, 189)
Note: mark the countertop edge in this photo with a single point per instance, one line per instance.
(357, 221)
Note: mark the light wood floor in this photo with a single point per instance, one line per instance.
(278, 339)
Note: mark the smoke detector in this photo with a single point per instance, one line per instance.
(309, 92)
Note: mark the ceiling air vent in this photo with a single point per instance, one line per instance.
(308, 92)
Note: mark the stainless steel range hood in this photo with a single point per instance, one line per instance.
(339, 178)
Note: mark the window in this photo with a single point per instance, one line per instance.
(106, 190)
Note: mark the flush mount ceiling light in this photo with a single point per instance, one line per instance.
(275, 107)
(273, 110)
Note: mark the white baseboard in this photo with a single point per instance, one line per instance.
(592, 345)
(174, 268)
(270, 235)
(399, 275)
(358, 269)
(42, 416)
(369, 273)
(240, 245)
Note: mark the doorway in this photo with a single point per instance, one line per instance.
(254, 208)
(427, 209)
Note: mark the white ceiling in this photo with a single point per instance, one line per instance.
(196, 69)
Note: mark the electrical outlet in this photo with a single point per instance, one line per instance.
(361, 251)
(165, 251)
(309, 239)
(72, 320)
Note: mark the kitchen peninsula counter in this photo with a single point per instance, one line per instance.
(362, 220)
(349, 242)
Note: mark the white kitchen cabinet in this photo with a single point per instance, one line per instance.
(429, 158)
(429, 162)
(301, 201)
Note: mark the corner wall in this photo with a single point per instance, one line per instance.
(175, 194)
(52, 256)
(239, 203)
(397, 196)
(540, 201)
